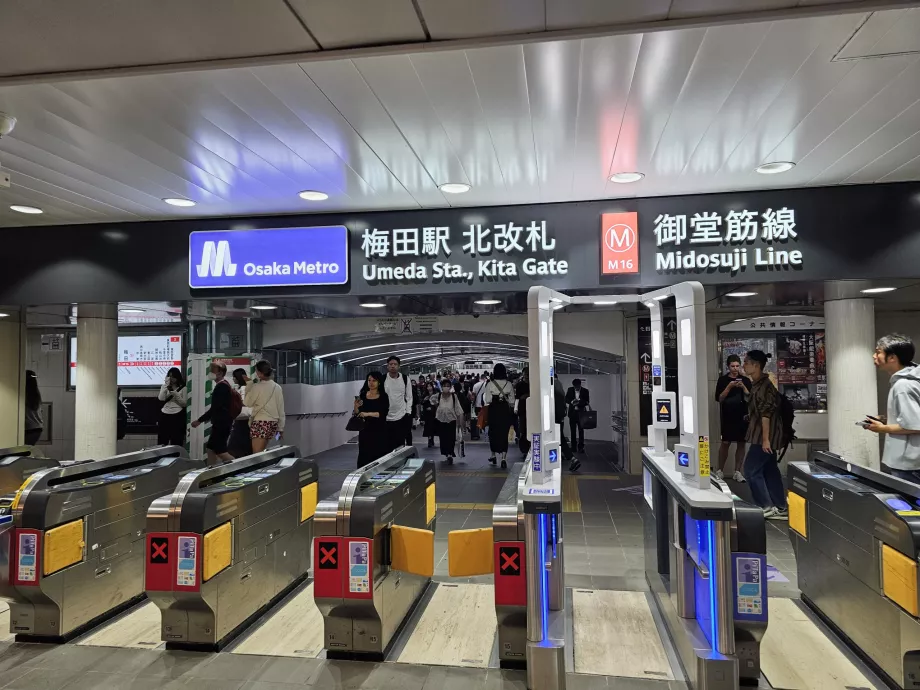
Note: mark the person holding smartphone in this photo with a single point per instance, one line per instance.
(731, 389)
(894, 355)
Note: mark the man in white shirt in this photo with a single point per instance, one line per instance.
(399, 416)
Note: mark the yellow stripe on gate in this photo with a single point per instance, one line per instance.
(431, 505)
(63, 546)
(899, 579)
(218, 551)
(412, 550)
(798, 513)
(308, 499)
(470, 552)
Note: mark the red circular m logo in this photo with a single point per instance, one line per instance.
(620, 238)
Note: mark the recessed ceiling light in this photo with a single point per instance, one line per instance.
(558, 306)
(626, 177)
(602, 302)
(373, 305)
(455, 188)
(554, 299)
(3, 316)
(263, 307)
(737, 320)
(310, 195)
(740, 294)
(26, 209)
(649, 304)
(487, 302)
(775, 167)
(877, 290)
(131, 310)
(184, 203)
(658, 298)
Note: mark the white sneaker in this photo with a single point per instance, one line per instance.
(738, 477)
(718, 474)
(778, 515)
(768, 513)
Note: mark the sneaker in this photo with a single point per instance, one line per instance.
(768, 513)
(778, 514)
(576, 464)
(492, 459)
(719, 474)
(738, 477)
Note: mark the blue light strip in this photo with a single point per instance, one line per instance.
(544, 590)
(553, 518)
(714, 624)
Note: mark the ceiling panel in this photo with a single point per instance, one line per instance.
(903, 36)
(482, 17)
(566, 14)
(47, 36)
(335, 24)
(696, 110)
(697, 8)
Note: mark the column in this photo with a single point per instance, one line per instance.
(851, 376)
(97, 388)
(12, 378)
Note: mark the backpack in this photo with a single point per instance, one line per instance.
(787, 417)
(236, 401)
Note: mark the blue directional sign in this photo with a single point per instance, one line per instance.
(656, 370)
(282, 257)
(553, 456)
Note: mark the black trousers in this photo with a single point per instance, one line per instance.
(399, 433)
(447, 431)
(575, 426)
(171, 429)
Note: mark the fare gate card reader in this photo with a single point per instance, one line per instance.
(687, 462)
(664, 406)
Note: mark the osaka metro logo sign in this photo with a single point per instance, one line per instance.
(215, 260)
(282, 257)
(619, 243)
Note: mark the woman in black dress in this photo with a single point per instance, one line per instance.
(429, 406)
(372, 406)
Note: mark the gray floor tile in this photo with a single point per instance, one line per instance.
(288, 670)
(344, 675)
(445, 678)
(398, 677)
(598, 519)
(151, 664)
(578, 581)
(263, 685)
(14, 655)
(41, 679)
(580, 681)
(91, 680)
(229, 667)
(499, 679)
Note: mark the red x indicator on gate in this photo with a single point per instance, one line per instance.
(159, 550)
(510, 557)
(328, 555)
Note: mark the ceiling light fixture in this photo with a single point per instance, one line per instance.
(740, 294)
(455, 188)
(603, 302)
(263, 307)
(373, 305)
(487, 302)
(182, 203)
(626, 177)
(131, 310)
(877, 290)
(775, 167)
(658, 298)
(3, 316)
(311, 195)
(558, 306)
(32, 210)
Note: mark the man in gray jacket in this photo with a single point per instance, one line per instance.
(894, 355)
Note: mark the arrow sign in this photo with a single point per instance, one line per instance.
(553, 456)
(671, 324)
(645, 357)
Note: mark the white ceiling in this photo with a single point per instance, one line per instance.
(694, 109)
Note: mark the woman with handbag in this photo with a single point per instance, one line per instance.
(449, 414)
(371, 407)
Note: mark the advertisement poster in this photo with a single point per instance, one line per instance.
(795, 358)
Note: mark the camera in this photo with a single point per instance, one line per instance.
(475, 316)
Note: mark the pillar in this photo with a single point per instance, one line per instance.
(12, 378)
(851, 376)
(97, 389)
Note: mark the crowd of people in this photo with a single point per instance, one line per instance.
(451, 405)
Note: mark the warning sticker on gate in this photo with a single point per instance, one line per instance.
(509, 558)
(159, 550)
(358, 566)
(187, 569)
(328, 555)
(27, 557)
(703, 454)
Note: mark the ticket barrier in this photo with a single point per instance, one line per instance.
(500, 551)
(75, 552)
(16, 465)
(228, 543)
(374, 553)
(705, 555)
(856, 537)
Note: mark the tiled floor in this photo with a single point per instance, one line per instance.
(603, 551)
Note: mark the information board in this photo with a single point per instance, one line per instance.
(143, 360)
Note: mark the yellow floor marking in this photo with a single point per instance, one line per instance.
(571, 499)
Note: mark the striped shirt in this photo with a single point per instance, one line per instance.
(762, 402)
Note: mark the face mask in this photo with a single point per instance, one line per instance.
(212, 376)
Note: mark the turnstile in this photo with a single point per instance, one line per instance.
(374, 553)
(75, 551)
(705, 560)
(228, 543)
(16, 465)
(856, 537)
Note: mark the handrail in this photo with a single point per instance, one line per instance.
(356, 478)
(200, 478)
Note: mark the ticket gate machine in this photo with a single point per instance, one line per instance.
(856, 537)
(16, 465)
(75, 551)
(229, 542)
(374, 553)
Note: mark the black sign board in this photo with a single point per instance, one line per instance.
(143, 414)
(159, 550)
(646, 373)
(663, 410)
